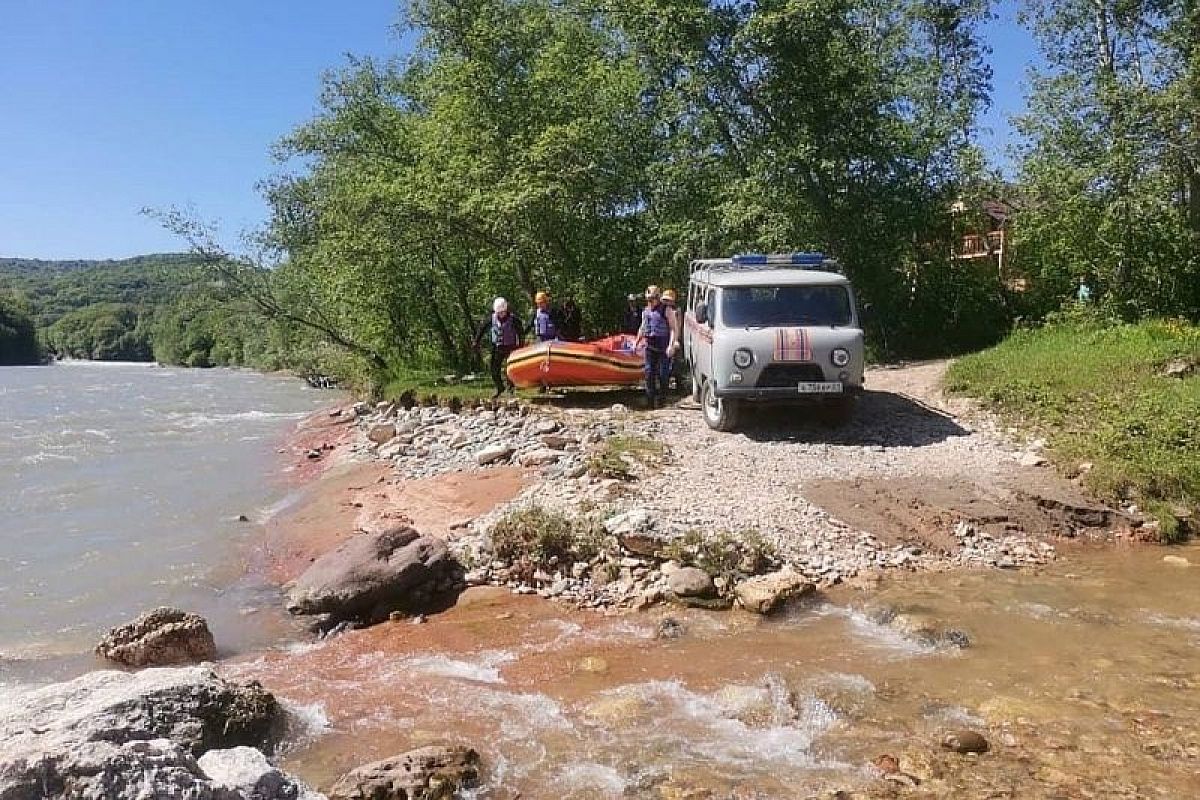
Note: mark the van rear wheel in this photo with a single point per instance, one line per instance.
(719, 413)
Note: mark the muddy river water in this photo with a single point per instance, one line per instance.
(1083, 676)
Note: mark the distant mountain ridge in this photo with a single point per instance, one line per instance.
(43, 265)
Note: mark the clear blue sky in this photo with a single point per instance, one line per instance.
(108, 106)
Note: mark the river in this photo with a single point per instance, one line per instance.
(120, 489)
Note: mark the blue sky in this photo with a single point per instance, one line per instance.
(108, 106)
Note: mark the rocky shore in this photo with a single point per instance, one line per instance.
(600, 509)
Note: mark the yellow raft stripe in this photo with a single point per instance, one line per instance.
(578, 358)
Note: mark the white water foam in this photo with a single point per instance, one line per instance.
(485, 670)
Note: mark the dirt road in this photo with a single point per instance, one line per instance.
(915, 480)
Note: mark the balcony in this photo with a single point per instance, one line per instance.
(980, 245)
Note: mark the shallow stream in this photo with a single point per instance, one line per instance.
(1084, 678)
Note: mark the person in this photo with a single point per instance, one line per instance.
(505, 336)
(1084, 293)
(675, 317)
(658, 334)
(631, 322)
(571, 327)
(543, 324)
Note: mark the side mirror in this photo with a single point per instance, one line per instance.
(866, 313)
(702, 313)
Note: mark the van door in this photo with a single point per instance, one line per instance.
(702, 336)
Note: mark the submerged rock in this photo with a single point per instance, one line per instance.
(112, 734)
(160, 637)
(436, 772)
(766, 593)
(372, 574)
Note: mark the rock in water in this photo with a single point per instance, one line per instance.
(766, 593)
(158, 638)
(435, 772)
(372, 574)
(691, 582)
(112, 734)
(245, 772)
(965, 742)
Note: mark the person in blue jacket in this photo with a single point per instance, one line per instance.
(505, 335)
(544, 323)
(657, 332)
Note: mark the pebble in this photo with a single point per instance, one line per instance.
(1176, 561)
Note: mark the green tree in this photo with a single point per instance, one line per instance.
(1111, 165)
(18, 339)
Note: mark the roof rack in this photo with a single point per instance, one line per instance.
(749, 261)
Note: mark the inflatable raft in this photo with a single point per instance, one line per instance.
(602, 362)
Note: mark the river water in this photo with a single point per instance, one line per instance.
(120, 489)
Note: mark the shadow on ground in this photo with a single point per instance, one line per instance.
(883, 419)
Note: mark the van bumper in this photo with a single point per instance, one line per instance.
(782, 393)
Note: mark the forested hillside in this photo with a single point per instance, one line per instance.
(18, 338)
(162, 307)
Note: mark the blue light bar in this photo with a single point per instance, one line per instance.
(797, 259)
(750, 259)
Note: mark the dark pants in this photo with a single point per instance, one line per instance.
(500, 354)
(657, 369)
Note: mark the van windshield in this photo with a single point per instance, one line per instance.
(774, 306)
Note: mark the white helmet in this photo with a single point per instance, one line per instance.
(499, 305)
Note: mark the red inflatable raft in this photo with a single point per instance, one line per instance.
(602, 362)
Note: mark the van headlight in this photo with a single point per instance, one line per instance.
(840, 357)
(742, 358)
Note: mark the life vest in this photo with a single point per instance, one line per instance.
(504, 331)
(543, 325)
(655, 322)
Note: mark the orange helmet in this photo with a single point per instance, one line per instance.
(669, 294)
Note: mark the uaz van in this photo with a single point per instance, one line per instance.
(777, 328)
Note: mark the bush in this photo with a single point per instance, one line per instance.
(539, 537)
(732, 555)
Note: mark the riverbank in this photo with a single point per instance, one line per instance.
(883, 517)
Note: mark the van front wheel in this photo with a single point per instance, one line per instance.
(719, 413)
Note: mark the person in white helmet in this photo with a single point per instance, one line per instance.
(505, 335)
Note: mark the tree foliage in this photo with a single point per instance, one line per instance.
(593, 148)
(1110, 172)
(18, 338)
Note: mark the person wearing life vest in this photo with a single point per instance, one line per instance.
(658, 334)
(676, 319)
(505, 335)
(543, 324)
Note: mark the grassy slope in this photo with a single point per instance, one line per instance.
(1099, 395)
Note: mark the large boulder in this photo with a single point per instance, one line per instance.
(436, 772)
(159, 638)
(766, 593)
(372, 574)
(246, 772)
(112, 734)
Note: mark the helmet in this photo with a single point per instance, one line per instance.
(652, 293)
(499, 305)
(541, 297)
(669, 294)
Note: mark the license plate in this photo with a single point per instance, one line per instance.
(820, 387)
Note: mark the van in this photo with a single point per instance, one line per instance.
(772, 329)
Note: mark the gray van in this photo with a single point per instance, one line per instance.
(772, 328)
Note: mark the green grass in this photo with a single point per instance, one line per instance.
(540, 538)
(1099, 395)
(619, 456)
(429, 387)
